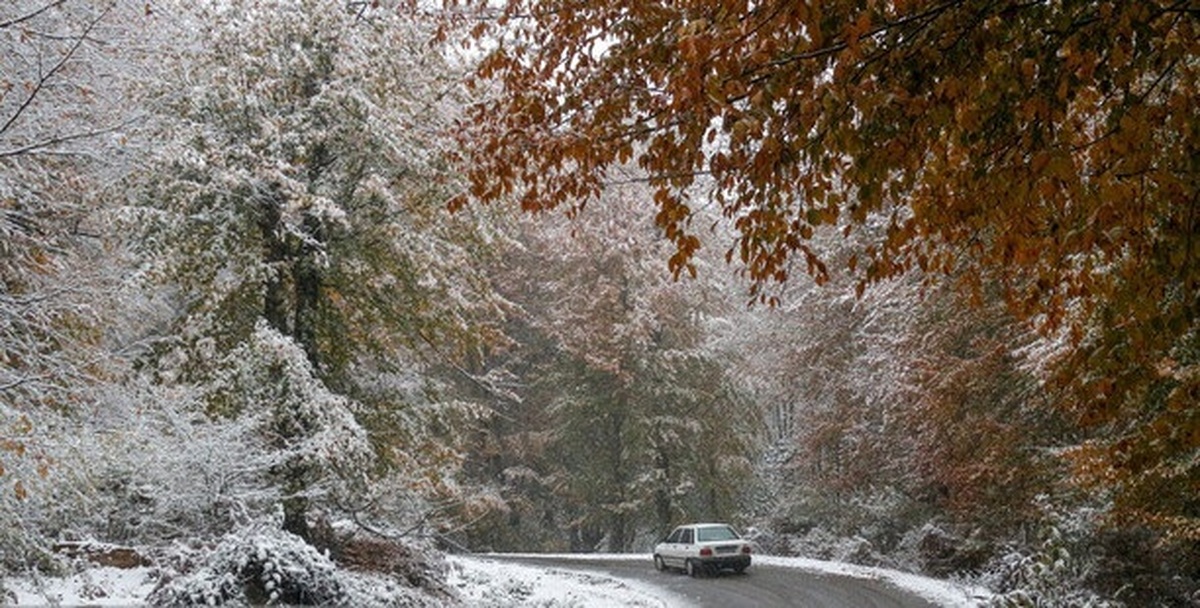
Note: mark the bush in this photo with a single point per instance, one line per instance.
(257, 564)
(1055, 571)
(941, 550)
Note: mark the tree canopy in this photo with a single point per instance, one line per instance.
(1050, 147)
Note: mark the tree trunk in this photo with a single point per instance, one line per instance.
(618, 528)
(306, 274)
(585, 538)
(662, 494)
(295, 503)
(275, 254)
(618, 535)
(306, 284)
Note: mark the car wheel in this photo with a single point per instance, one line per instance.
(692, 569)
(740, 570)
(658, 563)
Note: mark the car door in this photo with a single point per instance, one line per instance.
(684, 548)
(670, 548)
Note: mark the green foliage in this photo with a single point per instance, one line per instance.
(268, 379)
(1054, 571)
(309, 181)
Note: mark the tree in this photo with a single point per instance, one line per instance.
(298, 185)
(625, 421)
(61, 128)
(1050, 147)
(68, 136)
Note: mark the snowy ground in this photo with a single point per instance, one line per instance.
(479, 582)
(484, 582)
(93, 587)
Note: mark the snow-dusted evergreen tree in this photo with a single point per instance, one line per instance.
(298, 197)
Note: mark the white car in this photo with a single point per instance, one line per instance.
(703, 548)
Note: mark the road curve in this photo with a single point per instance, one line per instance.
(761, 586)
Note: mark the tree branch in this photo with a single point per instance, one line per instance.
(60, 139)
(34, 14)
(62, 62)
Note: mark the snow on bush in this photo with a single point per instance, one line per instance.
(819, 543)
(139, 465)
(261, 564)
(1053, 572)
(257, 564)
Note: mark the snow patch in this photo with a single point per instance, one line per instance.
(91, 587)
(484, 582)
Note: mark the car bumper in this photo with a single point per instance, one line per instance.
(740, 560)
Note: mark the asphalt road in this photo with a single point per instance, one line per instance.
(761, 586)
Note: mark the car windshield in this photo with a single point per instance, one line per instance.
(716, 533)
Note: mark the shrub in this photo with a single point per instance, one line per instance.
(257, 564)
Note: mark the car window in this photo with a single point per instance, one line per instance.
(674, 536)
(717, 533)
(686, 537)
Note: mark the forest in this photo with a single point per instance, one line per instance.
(347, 285)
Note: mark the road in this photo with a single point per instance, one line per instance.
(761, 586)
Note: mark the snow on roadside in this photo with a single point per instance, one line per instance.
(478, 582)
(483, 582)
(947, 594)
(91, 587)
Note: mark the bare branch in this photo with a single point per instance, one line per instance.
(34, 14)
(44, 79)
(61, 139)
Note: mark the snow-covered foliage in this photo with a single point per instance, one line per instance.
(260, 564)
(203, 389)
(269, 384)
(143, 464)
(151, 462)
(293, 218)
(896, 420)
(253, 565)
(1055, 570)
(296, 125)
